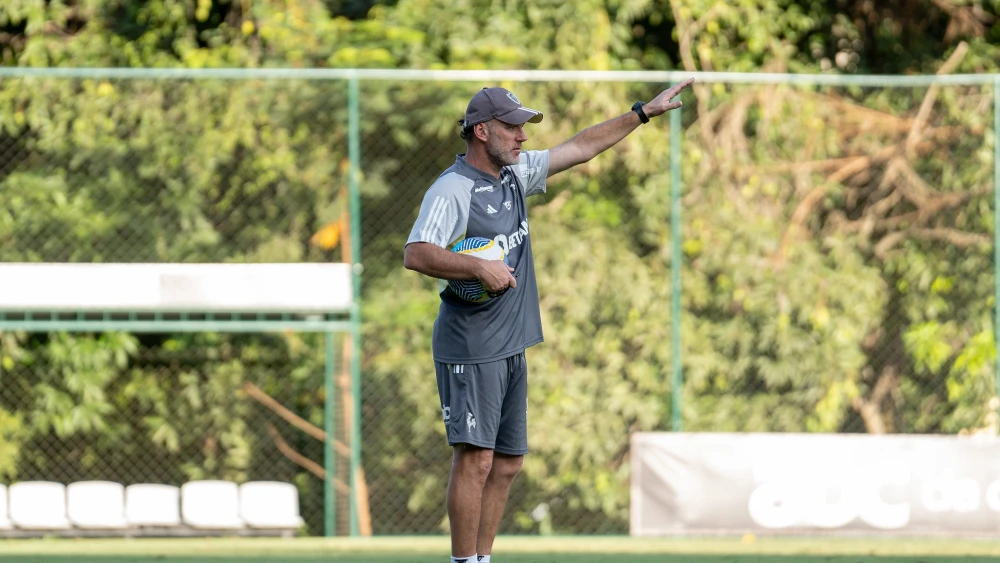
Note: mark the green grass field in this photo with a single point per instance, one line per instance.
(507, 550)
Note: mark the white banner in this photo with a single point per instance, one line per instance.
(299, 287)
(808, 483)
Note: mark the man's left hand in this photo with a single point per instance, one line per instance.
(661, 104)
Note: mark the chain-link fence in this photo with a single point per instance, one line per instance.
(121, 170)
(838, 277)
(154, 409)
(842, 239)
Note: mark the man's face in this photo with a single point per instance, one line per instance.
(503, 144)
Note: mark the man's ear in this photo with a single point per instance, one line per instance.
(480, 130)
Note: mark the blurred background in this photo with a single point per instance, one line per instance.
(837, 240)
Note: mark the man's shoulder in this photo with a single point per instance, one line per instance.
(532, 161)
(531, 156)
(452, 179)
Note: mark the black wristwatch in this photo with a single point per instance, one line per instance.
(637, 108)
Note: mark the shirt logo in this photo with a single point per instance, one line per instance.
(513, 240)
(490, 210)
(507, 180)
(507, 205)
(484, 189)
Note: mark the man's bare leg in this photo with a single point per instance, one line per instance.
(502, 473)
(470, 466)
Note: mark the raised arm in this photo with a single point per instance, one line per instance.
(596, 139)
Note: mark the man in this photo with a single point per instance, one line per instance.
(479, 347)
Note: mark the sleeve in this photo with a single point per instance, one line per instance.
(533, 169)
(443, 217)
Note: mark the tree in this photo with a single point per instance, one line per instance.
(836, 239)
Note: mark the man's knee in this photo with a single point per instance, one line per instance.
(473, 461)
(506, 466)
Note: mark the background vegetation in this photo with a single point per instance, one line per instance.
(837, 240)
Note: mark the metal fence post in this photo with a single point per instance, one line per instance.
(676, 423)
(996, 233)
(354, 185)
(330, 506)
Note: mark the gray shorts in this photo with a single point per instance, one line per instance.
(486, 405)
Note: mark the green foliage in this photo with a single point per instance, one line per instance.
(837, 242)
(11, 432)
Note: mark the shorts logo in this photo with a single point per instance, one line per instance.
(446, 412)
(470, 421)
(458, 368)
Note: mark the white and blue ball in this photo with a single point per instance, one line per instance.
(484, 248)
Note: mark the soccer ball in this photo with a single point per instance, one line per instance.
(473, 290)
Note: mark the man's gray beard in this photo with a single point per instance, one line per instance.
(499, 157)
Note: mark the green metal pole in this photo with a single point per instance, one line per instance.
(354, 185)
(330, 506)
(996, 231)
(676, 423)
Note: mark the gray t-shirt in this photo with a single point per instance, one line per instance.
(467, 202)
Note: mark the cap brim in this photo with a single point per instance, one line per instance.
(520, 116)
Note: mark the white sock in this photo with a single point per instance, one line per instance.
(470, 559)
(484, 559)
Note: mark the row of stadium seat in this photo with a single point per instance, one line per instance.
(108, 508)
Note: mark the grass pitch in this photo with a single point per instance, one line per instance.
(509, 549)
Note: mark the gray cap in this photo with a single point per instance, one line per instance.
(498, 103)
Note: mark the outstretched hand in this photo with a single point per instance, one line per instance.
(661, 104)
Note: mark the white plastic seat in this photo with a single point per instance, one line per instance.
(96, 504)
(211, 505)
(38, 505)
(152, 505)
(270, 505)
(5, 523)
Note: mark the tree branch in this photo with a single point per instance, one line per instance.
(364, 512)
(869, 408)
(925, 107)
(864, 115)
(953, 236)
(932, 207)
(804, 208)
(685, 34)
(301, 460)
(293, 419)
(828, 163)
(965, 20)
